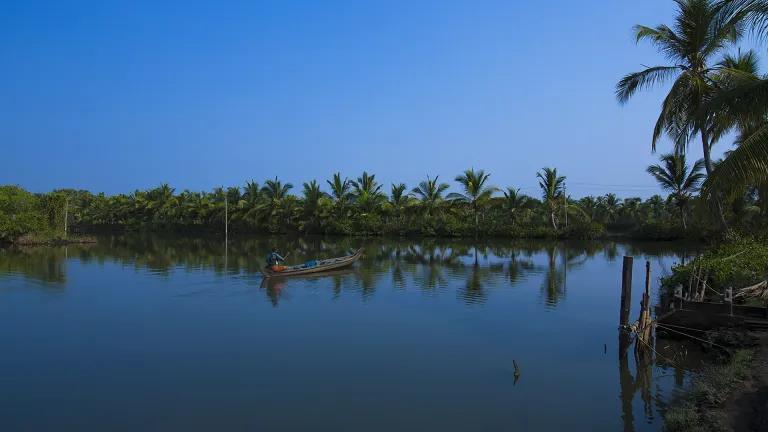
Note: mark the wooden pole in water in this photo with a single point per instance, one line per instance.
(626, 290)
(645, 313)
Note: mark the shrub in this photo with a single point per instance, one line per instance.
(738, 263)
(18, 213)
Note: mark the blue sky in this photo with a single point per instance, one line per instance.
(114, 95)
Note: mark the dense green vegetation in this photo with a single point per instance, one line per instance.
(360, 207)
(737, 263)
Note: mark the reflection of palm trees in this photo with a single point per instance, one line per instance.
(430, 265)
(554, 279)
(518, 269)
(474, 292)
(554, 285)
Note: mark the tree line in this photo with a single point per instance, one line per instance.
(361, 206)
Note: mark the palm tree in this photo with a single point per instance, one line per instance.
(743, 98)
(655, 206)
(702, 30)
(514, 201)
(251, 192)
(589, 205)
(430, 192)
(631, 208)
(341, 192)
(476, 191)
(275, 195)
(610, 205)
(552, 191)
(312, 196)
(340, 189)
(275, 190)
(161, 203)
(675, 176)
(397, 197)
(367, 192)
(366, 183)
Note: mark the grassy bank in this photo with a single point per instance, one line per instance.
(701, 409)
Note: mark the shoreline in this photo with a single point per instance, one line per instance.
(726, 396)
(34, 240)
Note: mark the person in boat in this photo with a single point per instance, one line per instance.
(273, 260)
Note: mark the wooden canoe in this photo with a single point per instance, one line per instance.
(321, 266)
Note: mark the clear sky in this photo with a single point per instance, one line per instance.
(115, 96)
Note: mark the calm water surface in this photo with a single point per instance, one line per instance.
(150, 333)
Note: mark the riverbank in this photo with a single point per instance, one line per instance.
(48, 240)
(730, 395)
(747, 407)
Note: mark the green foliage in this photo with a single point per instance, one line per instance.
(737, 263)
(360, 207)
(19, 213)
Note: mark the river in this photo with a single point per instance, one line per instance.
(142, 332)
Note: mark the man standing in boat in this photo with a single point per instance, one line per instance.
(273, 260)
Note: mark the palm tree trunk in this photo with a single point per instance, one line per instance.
(706, 147)
(682, 216)
(554, 221)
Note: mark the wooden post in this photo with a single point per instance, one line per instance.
(647, 293)
(645, 309)
(679, 296)
(626, 290)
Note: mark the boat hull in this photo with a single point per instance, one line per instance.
(322, 266)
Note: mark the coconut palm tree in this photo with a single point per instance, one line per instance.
(430, 193)
(476, 191)
(367, 192)
(702, 30)
(675, 176)
(275, 190)
(251, 192)
(552, 191)
(397, 196)
(311, 197)
(340, 189)
(275, 195)
(744, 98)
(514, 202)
(589, 206)
(609, 205)
(341, 192)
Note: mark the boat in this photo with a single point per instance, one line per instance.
(314, 266)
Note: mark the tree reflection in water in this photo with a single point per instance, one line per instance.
(473, 272)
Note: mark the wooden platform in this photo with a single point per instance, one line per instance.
(707, 316)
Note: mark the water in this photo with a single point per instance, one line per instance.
(152, 333)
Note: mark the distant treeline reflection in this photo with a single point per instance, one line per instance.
(431, 265)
